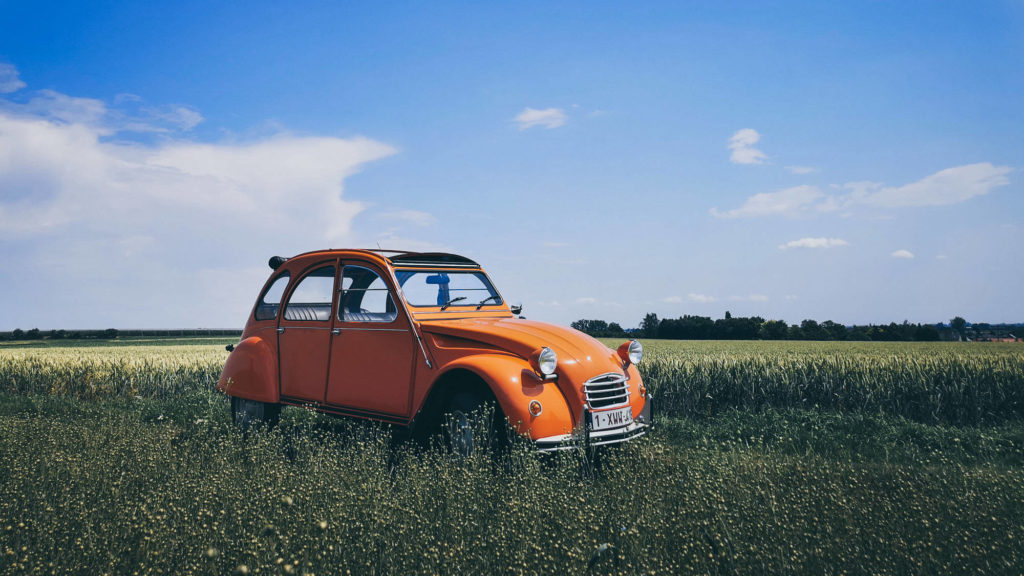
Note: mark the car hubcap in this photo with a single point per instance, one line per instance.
(461, 433)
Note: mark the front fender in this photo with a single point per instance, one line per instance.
(251, 372)
(514, 385)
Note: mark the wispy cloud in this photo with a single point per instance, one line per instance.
(742, 145)
(801, 169)
(814, 243)
(673, 299)
(949, 186)
(701, 298)
(129, 113)
(749, 298)
(586, 300)
(904, 254)
(9, 80)
(546, 118)
(794, 201)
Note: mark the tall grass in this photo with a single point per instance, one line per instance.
(115, 493)
(122, 460)
(947, 383)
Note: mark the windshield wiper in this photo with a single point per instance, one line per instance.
(452, 301)
(481, 303)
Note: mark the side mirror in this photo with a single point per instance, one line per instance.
(516, 308)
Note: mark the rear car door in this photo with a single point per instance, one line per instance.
(304, 334)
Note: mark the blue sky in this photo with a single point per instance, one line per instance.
(859, 161)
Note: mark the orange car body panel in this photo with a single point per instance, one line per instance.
(380, 370)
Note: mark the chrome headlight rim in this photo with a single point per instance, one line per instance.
(547, 361)
(635, 351)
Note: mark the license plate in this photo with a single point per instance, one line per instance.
(611, 418)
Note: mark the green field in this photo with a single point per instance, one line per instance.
(780, 457)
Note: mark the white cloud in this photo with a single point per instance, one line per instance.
(586, 300)
(548, 118)
(814, 243)
(742, 145)
(162, 219)
(701, 298)
(749, 298)
(672, 299)
(789, 202)
(949, 186)
(905, 254)
(801, 169)
(9, 80)
(66, 176)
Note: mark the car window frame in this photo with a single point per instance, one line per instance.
(299, 278)
(263, 294)
(392, 293)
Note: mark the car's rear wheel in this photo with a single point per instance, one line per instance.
(473, 422)
(248, 413)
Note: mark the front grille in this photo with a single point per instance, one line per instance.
(606, 391)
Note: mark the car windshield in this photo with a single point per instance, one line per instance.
(447, 288)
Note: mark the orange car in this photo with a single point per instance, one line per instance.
(423, 340)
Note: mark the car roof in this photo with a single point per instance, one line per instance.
(398, 258)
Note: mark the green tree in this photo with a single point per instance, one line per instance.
(959, 325)
(592, 327)
(649, 325)
(773, 330)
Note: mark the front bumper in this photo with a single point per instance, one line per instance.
(587, 437)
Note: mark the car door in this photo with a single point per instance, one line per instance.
(373, 350)
(304, 334)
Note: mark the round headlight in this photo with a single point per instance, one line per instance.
(636, 352)
(547, 360)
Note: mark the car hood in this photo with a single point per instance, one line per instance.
(580, 357)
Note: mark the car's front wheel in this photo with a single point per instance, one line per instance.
(473, 422)
(246, 413)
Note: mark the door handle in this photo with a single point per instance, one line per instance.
(336, 331)
(280, 330)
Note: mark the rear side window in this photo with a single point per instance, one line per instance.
(312, 298)
(271, 299)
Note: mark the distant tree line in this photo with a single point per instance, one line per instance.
(109, 334)
(757, 328)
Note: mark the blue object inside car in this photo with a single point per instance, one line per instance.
(442, 281)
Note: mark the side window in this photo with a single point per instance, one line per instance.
(365, 297)
(311, 300)
(271, 299)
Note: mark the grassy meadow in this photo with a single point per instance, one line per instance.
(768, 457)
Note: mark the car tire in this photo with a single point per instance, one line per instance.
(472, 422)
(247, 413)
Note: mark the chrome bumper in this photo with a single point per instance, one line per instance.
(587, 437)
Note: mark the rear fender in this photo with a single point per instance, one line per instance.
(251, 372)
(514, 385)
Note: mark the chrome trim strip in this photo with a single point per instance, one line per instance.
(376, 329)
(634, 429)
(609, 386)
